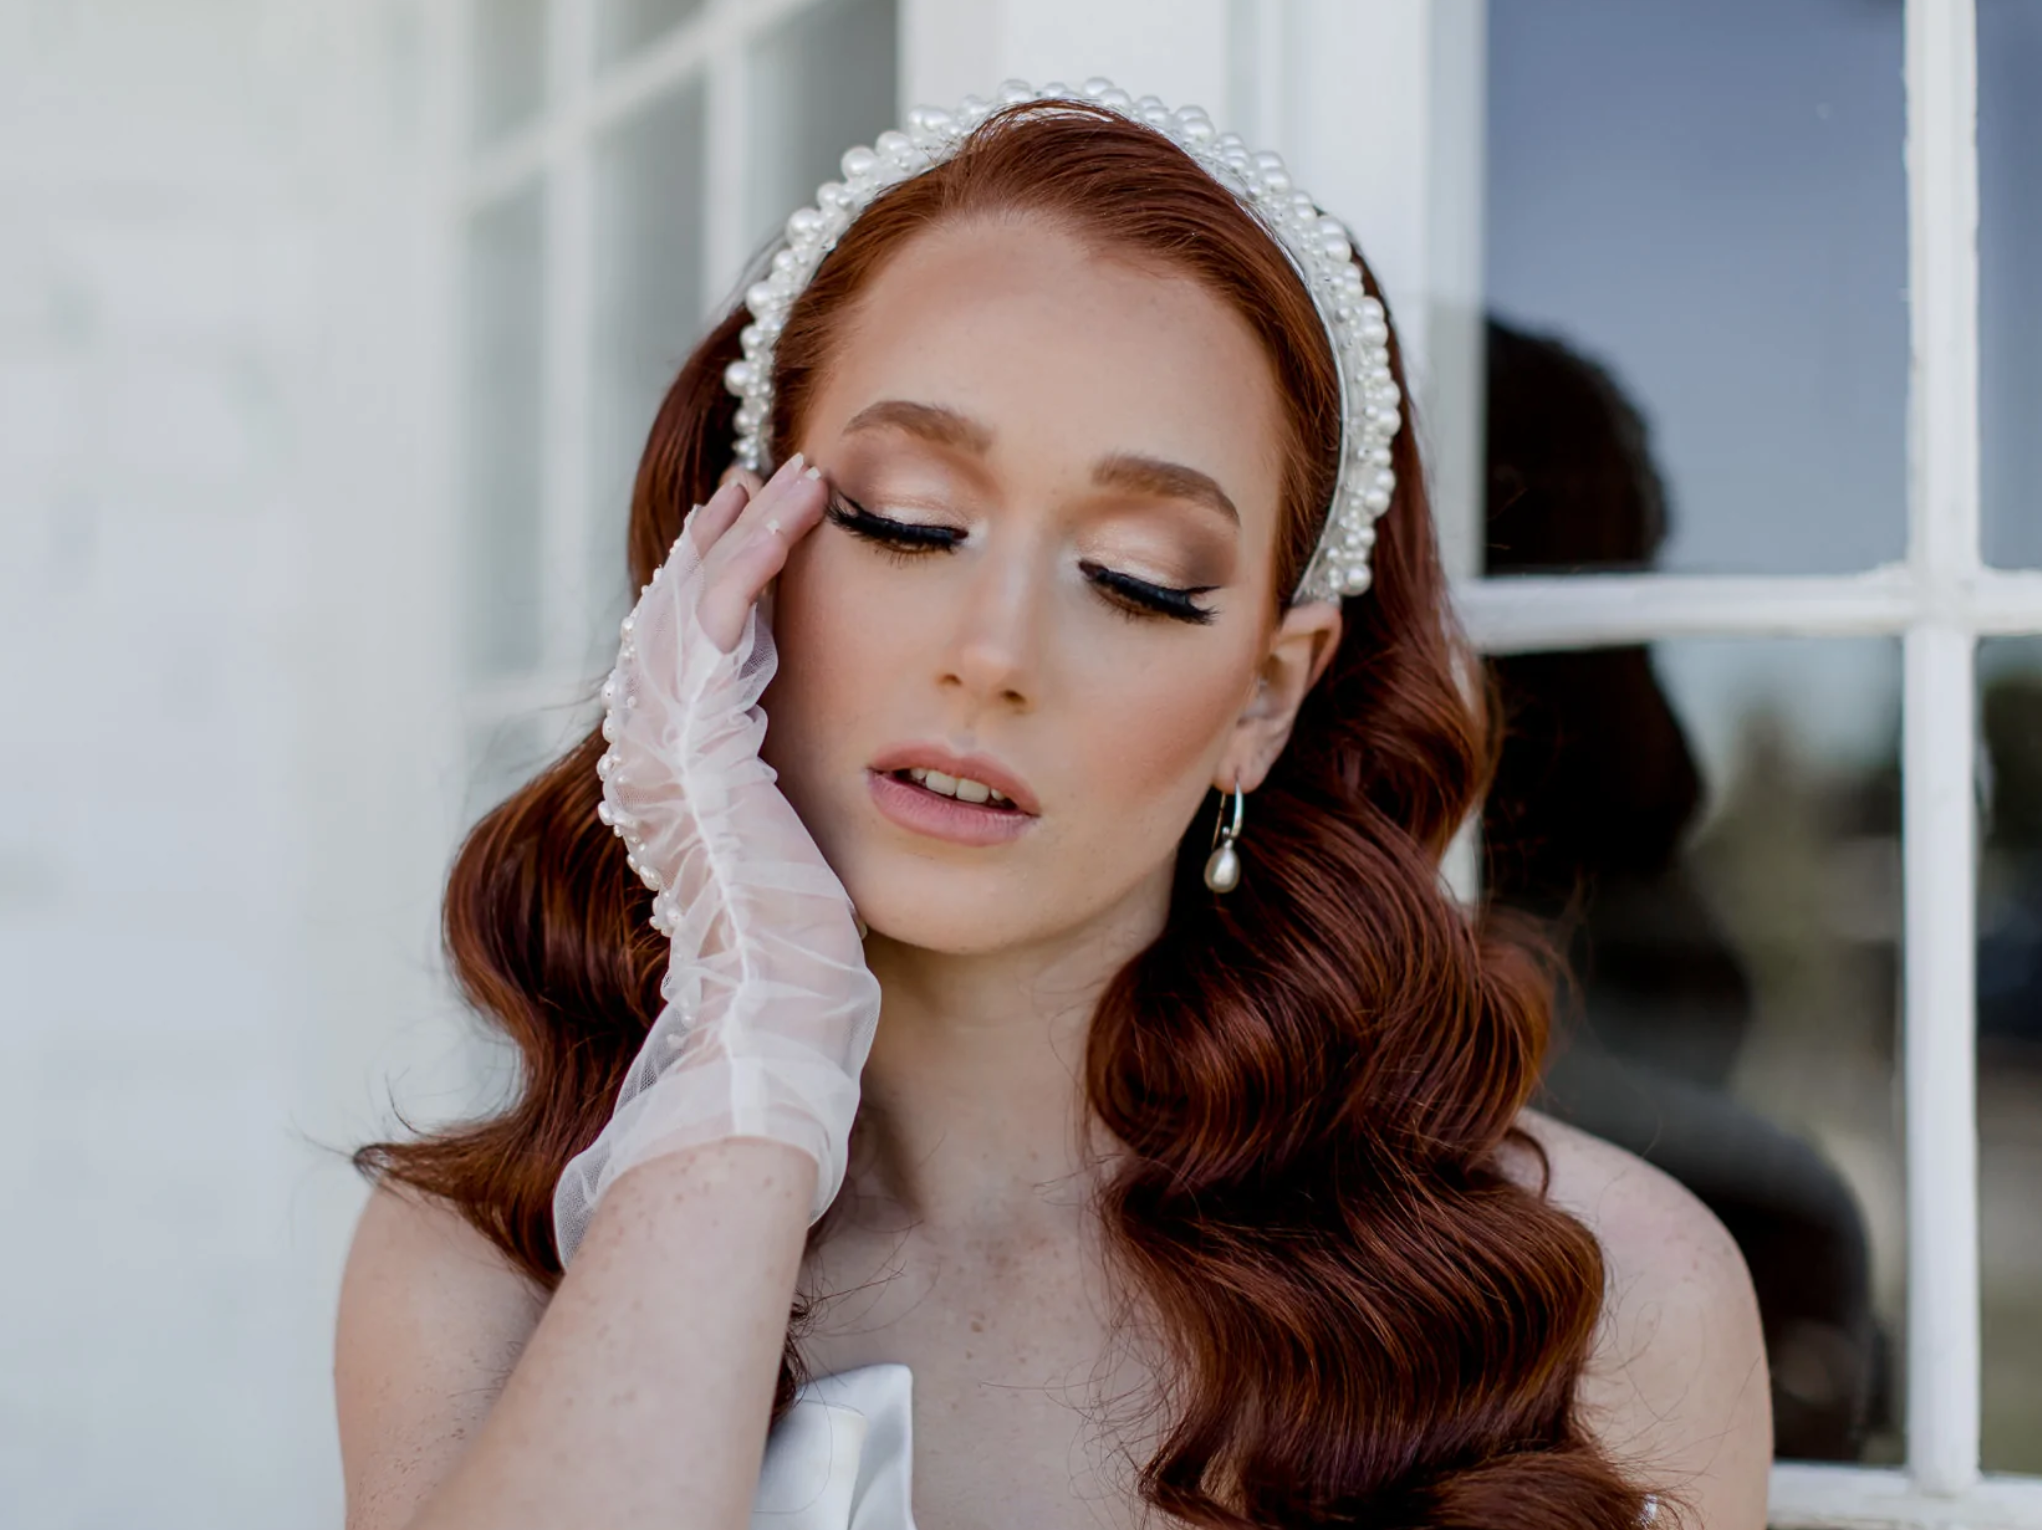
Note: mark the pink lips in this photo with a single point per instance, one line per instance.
(926, 812)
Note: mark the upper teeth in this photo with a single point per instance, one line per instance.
(963, 788)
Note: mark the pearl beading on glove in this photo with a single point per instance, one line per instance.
(1316, 245)
(617, 700)
(769, 1008)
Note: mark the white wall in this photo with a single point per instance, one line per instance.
(224, 746)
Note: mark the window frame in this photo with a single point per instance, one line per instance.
(556, 148)
(1940, 600)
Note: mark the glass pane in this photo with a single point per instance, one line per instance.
(507, 64)
(1714, 230)
(1715, 824)
(625, 26)
(502, 433)
(2009, 254)
(820, 84)
(504, 755)
(648, 308)
(2010, 1052)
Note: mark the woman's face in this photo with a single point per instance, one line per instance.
(1088, 455)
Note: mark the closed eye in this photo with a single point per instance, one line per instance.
(1160, 599)
(1134, 597)
(902, 535)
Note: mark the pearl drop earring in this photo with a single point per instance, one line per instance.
(1223, 866)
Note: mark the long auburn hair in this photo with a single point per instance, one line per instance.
(1366, 1321)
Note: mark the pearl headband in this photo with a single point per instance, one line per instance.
(1317, 247)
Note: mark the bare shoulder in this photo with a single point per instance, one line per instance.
(1676, 1387)
(432, 1318)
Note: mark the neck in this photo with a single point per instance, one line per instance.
(974, 1118)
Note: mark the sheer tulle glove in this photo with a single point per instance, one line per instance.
(770, 1008)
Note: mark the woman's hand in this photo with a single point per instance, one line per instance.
(770, 1008)
(742, 536)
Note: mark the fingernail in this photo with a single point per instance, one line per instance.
(813, 473)
(794, 463)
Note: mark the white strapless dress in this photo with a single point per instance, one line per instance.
(842, 1458)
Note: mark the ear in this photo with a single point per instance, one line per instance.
(1300, 648)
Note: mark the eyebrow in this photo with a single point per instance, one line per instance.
(1127, 471)
(932, 422)
(1168, 480)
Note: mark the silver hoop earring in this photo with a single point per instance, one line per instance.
(1223, 866)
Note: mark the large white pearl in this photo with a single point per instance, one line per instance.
(1223, 869)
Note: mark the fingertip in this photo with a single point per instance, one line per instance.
(712, 519)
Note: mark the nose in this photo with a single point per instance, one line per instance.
(994, 652)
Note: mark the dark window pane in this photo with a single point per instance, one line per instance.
(648, 310)
(502, 451)
(507, 65)
(2010, 299)
(1705, 206)
(1716, 825)
(2010, 1052)
(821, 83)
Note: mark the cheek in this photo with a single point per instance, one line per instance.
(1121, 739)
(1145, 740)
(833, 651)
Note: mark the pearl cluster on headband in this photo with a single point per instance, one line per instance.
(1317, 246)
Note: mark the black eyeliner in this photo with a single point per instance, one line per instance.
(864, 523)
(902, 538)
(1159, 598)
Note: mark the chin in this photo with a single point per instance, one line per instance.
(955, 911)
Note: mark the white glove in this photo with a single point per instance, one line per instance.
(770, 1008)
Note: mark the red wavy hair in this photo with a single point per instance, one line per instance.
(1366, 1320)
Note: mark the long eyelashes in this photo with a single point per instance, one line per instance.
(902, 541)
(1156, 597)
(854, 517)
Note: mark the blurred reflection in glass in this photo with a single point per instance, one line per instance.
(2009, 297)
(2010, 1051)
(1714, 824)
(501, 433)
(1712, 197)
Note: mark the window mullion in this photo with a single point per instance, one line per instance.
(1938, 833)
(1940, 1079)
(1533, 613)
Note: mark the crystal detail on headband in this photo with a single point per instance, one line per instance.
(1317, 246)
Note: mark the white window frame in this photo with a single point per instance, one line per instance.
(557, 146)
(1940, 601)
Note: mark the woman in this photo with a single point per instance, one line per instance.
(1091, 868)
